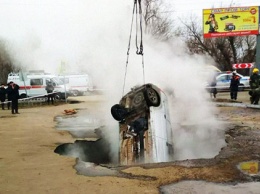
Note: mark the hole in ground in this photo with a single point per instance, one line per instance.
(89, 151)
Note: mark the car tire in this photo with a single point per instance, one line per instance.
(75, 92)
(118, 112)
(57, 96)
(152, 97)
(23, 96)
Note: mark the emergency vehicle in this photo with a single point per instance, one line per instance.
(33, 83)
(78, 84)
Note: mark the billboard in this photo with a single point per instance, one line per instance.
(232, 21)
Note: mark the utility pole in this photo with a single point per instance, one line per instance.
(257, 61)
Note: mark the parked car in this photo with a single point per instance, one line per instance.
(144, 126)
(223, 81)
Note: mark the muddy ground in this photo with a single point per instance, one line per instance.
(28, 163)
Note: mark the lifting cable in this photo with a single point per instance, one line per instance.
(139, 50)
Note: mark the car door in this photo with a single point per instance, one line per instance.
(223, 81)
(37, 87)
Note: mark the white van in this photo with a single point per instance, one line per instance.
(78, 84)
(32, 84)
(144, 126)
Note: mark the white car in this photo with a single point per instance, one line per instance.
(144, 126)
(223, 81)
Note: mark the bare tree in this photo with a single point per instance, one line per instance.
(157, 19)
(6, 65)
(224, 50)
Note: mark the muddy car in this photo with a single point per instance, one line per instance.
(144, 126)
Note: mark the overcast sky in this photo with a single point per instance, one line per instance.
(195, 7)
(42, 32)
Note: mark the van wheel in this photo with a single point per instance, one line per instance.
(57, 97)
(152, 97)
(118, 112)
(75, 92)
(23, 96)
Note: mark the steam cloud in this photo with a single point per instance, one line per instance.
(92, 37)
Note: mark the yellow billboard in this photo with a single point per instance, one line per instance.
(232, 21)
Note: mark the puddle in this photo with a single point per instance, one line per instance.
(187, 187)
(80, 125)
(91, 169)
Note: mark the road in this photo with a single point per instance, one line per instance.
(28, 163)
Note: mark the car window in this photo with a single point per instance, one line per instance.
(36, 82)
(222, 78)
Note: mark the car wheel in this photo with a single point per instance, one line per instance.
(138, 99)
(118, 112)
(57, 96)
(75, 92)
(23, 96)
(152, 97)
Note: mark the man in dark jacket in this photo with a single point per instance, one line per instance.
(254, 86)
(49, 88)
(14, 92)
(234, 84)
(8, 92)
(2, 96)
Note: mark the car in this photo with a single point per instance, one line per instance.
(144, 126)
(223, 81)
(229, 27)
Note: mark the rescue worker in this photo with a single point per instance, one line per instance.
(234, 84)
(254, 86)
(14, 92)
(2, 95)
(49, 88)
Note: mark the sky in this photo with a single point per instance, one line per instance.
(92, 37)
(183, 8)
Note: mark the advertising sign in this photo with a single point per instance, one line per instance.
(232, 21)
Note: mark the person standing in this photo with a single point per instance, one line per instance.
(212, 83)
(49, 88)
(254, 83)
(234, 84)
(8, 92)
(14, 92)
(2, 95)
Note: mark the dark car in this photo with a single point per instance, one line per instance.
(229, 27)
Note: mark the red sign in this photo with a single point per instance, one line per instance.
(242, 65)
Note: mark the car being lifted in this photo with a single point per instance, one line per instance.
(144, 126)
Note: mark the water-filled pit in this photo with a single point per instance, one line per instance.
(91, 146)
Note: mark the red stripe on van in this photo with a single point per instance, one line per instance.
(25, 87)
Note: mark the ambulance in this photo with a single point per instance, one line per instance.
(78, 84)
(33, 83)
